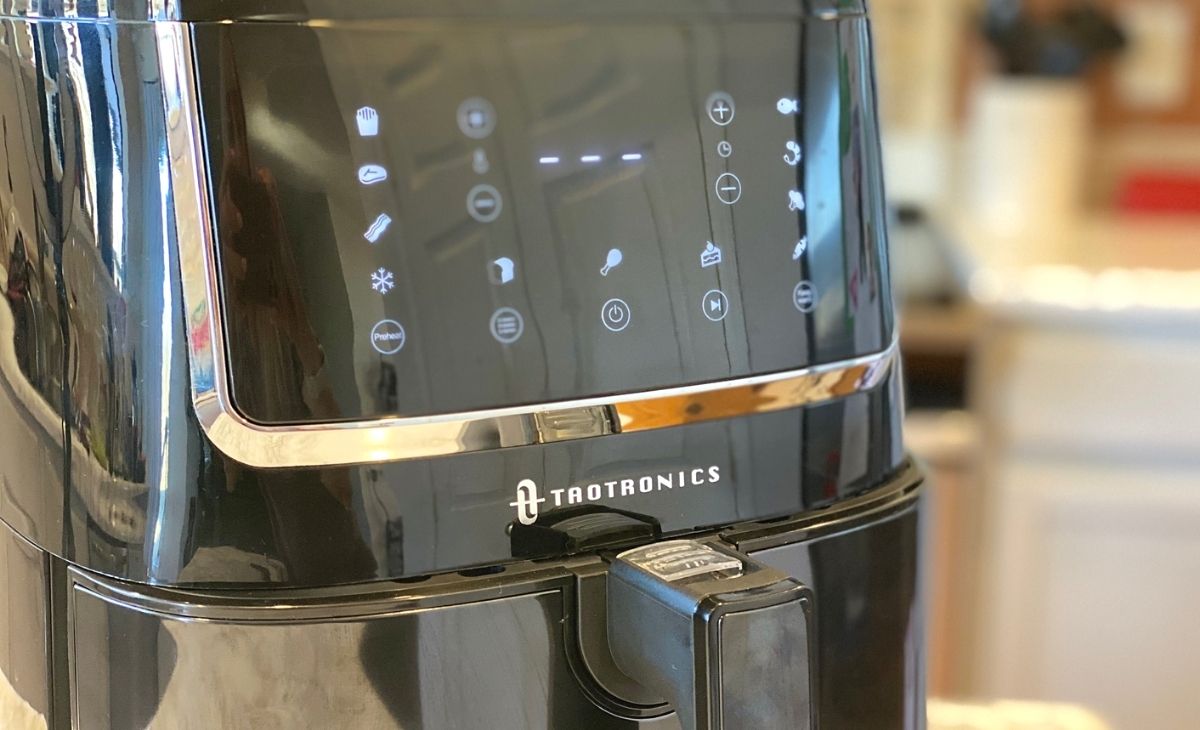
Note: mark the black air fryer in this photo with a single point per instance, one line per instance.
(438, 364)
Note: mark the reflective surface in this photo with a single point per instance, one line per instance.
(306, 10)
(871, 665)
(105, 464)
(102, 460)
(24, 616)
(271, 228)
(485, 214)
(90, 362)
(476, 652)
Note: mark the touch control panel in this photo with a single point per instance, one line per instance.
(423, 219)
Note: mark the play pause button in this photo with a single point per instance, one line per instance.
(715, 305)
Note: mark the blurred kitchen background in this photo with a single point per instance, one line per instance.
(1044, 168)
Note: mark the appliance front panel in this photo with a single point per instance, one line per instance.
(460, 652)
(419, 218)
(116, 467)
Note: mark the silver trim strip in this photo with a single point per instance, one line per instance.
(392, 10)
(394, 439)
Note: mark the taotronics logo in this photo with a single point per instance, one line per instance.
(529, 503)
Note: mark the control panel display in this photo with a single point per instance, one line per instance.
(426, 219)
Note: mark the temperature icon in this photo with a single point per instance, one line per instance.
(479, 162)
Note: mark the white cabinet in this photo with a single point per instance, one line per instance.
(1091, 561)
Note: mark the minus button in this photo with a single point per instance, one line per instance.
(484, 203)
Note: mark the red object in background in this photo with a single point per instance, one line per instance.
(1160, 192)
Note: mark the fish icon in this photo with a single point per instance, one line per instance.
(788, 106)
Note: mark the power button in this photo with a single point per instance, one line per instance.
(615, 315)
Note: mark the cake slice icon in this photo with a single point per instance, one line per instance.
(710, 256)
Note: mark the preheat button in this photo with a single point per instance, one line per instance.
(615, 315)
(387, 337)
(804, 296)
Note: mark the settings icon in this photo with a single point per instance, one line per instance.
(383, 281)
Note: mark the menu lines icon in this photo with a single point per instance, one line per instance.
(507, 325)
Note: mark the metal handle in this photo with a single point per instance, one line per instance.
(725, 639)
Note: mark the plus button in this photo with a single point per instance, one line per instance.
(721, 109)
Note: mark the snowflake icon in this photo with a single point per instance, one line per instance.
(383, 281)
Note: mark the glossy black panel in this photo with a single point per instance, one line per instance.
(24, 616)
(466, 653)
(495, 664)
(869, 622)
(383, 256)
(417, 517)
(103, 463)
(93, 384)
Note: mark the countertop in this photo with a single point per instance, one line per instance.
(1112, 270)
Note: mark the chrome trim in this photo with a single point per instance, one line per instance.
(394, 439)
(146, 10)
(382, 10)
